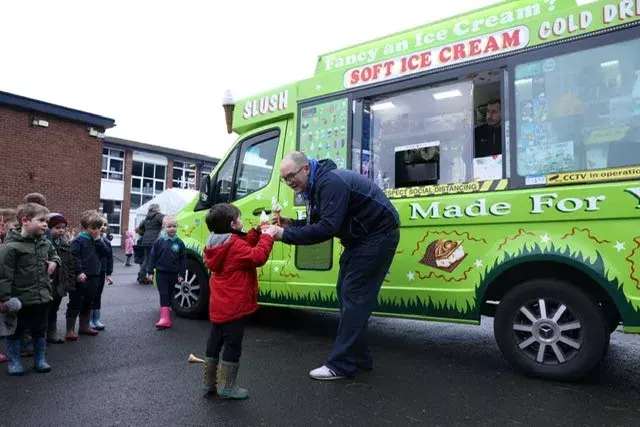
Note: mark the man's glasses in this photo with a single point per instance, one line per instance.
(290, 176)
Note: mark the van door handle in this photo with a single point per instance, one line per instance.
(258, 211)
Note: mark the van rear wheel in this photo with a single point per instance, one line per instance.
(551, 329)
(191, 297)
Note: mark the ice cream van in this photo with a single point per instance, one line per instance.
(508, 139)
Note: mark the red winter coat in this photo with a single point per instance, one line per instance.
(233, 286)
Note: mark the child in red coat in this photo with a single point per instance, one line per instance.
(232, 256)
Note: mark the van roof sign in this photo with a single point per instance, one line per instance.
(463, 38)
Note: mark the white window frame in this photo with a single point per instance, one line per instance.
(142, 178)
(185, 167)
(115, 210)
(109, 155)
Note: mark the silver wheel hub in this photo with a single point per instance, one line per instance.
(187, 293)
(547, 332)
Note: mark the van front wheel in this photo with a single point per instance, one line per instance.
(551, 329)
(191, 297)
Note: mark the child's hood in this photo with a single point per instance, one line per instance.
(216, 250)
(15, 235)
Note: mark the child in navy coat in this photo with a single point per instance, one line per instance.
(169, 258)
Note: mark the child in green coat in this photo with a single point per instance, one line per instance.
(27, 260)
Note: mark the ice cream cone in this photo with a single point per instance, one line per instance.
(264, 220)
(228, 103)
(276, 209)
(228, 115)
(194, 359)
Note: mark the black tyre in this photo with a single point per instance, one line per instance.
(551, 329)
(191, 297)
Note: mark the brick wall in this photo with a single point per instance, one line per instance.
(126, 202)
(169, 177)
(198, 173)
(62, 162)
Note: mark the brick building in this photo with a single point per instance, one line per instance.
(63, 154)
(50, 149)
(133, 173)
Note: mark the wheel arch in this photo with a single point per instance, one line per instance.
(517, 270)
(196, 256)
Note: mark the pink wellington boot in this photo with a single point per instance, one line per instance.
(165, 319)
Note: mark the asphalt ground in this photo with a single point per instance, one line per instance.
(425, 374)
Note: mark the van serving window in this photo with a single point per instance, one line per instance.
(427, 136)
(578, 111)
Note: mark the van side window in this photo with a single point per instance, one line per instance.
(256, 165)
(224, 178)
(577, 111)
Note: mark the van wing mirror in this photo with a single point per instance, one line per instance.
(205, 199)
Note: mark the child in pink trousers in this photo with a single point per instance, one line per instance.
(128, 247)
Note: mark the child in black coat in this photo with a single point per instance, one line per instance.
(105, 276)
(88, 249)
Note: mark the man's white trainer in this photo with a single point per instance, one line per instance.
(324, 373)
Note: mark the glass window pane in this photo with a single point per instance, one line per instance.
(136, 185)
(146, 198)
(116, 165)
(105, 175)
(178, 165)
(105, 163)
(115, 176)
(177, 174)
(115, 229)
(105, 151)
(422, 137)
(257, 166)
(114, 218)
(206, 170)
(137, 169)
(148, 170)
(161, 172)
(224, 179)
(135, 201)
(578, 111)
(117, 153)
(147, 186)
(160, 186)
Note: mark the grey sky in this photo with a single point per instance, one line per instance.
(160, 68)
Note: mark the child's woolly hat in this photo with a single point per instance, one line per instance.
(55, 219)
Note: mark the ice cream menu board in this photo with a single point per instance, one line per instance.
(541, 148)
(323, 131)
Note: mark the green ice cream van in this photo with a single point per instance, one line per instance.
(507, 138)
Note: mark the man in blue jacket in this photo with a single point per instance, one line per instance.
(344, 204)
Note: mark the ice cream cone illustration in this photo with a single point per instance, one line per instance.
(444, 254)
